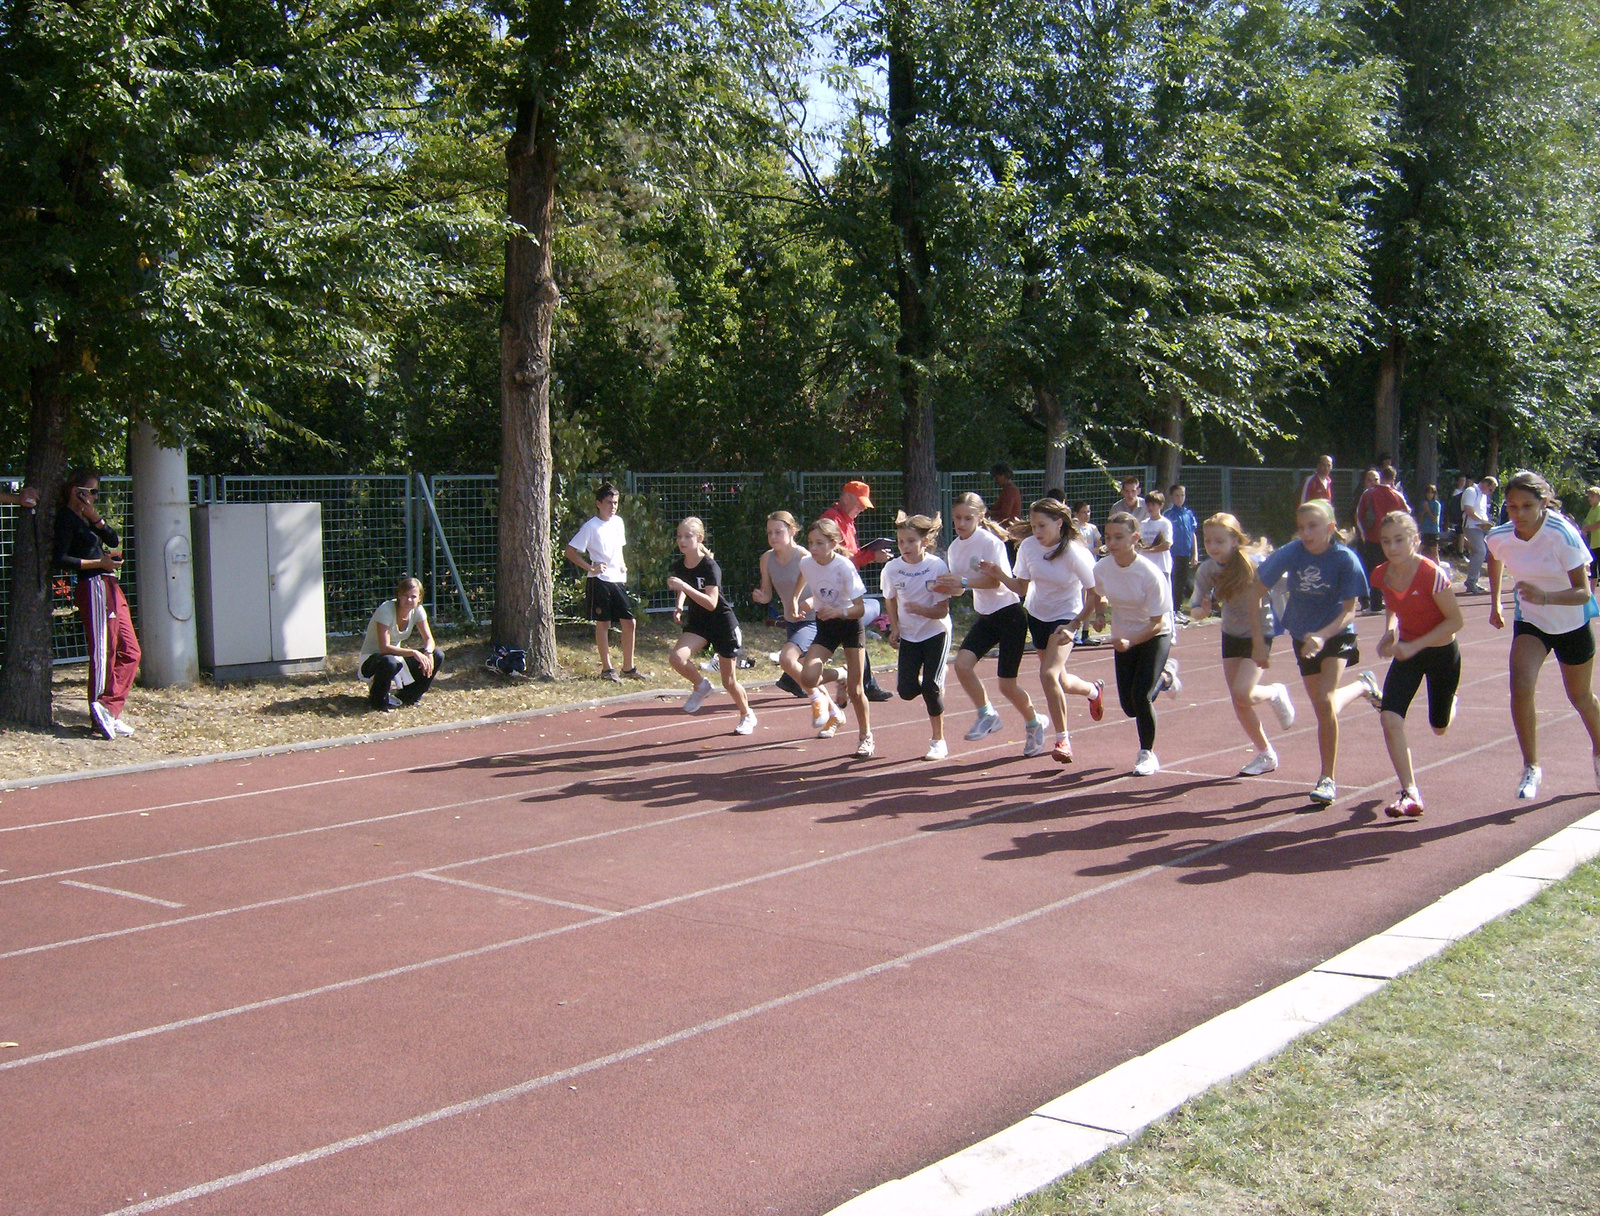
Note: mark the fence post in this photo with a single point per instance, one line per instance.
(444, 543)
(1227, 488)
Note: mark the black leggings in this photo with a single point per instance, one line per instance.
(1138, 669)
(1440, 666)
(922, 671)
(381, 669)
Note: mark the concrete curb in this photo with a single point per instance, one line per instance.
(1113, 1108)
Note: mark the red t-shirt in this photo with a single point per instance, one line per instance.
(862, 558)
(1416, 612)
(1009, 506)
(1377, 502)
(1316, 486)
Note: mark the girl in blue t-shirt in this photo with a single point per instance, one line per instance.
(1326, 583)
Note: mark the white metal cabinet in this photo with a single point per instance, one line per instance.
(258, 588)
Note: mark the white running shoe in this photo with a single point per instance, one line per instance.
(1282, 706)
(936, 750)
(1146, 765)
(123, 729)
(747, 725)
(102, 720)
(1324, 792)
(819, 709)
(1370, 688)
(865, 748)
(698, 697)
(1168, 680)
(835, 720)
(1036, 739)
(988, 722)
(1528, 787)
(1260, 763)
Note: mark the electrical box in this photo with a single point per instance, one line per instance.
(258, 589)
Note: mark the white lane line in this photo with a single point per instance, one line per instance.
(148, 899)
(538, 899)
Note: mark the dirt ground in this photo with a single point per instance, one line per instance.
(207, 718)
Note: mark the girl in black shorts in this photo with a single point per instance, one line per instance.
(707, 619)
(839, 597)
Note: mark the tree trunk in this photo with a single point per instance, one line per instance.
(914, 348)
(1491, 464)
(25, 669)
(1169, 465)
(1386, 401)
(524, 603)
(1427, 455)
(1048, 406)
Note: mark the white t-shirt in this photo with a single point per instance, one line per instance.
(1055, 588)
(907, 584)
(835, 585)
(1135, 592)
(384, 614)
(1153, 531)
(601, 540)
(1091, 536)
(983, 546)
(1542, 561)
(1474, 503)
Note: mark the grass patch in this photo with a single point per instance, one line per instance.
(1470, 1085)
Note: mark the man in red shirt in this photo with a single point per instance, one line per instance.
(854, 498)
(1374, 504)
(1320, 483)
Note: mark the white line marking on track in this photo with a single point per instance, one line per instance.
(538, 899)
(148, 899)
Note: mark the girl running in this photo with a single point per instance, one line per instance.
(1549, 567)
(839, 597)
(1001, 620)
(707, 619)
(1225, 583)
(780, 586)
(1056, 573)
(1141, 630)
(1422, 620)
(1326, 584)
(919, 620)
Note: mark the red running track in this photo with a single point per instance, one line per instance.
(618, 960)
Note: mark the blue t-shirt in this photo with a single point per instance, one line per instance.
(1184, 526)
(1428, 514)
(1319, 584)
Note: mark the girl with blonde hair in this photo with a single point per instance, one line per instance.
(919, 620)
(781, 585)
(708, 620)
(838, 595)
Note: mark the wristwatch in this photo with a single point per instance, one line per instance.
(963, 584)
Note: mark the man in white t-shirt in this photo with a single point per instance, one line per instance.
(1476, 502)
(597, 550)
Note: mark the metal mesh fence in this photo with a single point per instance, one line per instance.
(467, 506)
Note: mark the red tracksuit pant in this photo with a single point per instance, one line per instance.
(113, 648)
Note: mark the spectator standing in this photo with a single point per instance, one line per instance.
(1320, 483)
(1008, 503)
(89, 548)
(1430, 523)
(1131, 503)
(1452, 514)
(1185, 528)
(1377, 502)
(854, 498)
(1477, 505)
(597, 550)
(1591, 529)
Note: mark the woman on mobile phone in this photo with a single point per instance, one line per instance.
(89, 549)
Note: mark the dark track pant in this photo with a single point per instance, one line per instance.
(1138, 669)
(922, 671)
(381, 669)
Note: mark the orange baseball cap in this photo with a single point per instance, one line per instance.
(861, 490)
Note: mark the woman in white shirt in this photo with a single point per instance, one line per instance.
(386, 662)
(1549, 567)
(1056, 573)
(1141, 631)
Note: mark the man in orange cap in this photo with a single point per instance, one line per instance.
(854, 498)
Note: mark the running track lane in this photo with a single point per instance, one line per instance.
(620, 961)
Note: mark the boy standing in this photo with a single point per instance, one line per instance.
(1185, 526)
(597, 549)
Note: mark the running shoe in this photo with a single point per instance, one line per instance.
(1324, 791)
(1407, 804)
(1282, 705)
(786, 683)
(1370, 688)
(698, 697)
(875, 692)
(121, 727)
(1168, 680)
(1063, 751)
(747, 725)
(865, 748)
(936, 750)
(1097, 703)
(633, 673)
(610, 676)
(835, 720)
(103, 719)
(1528, 787)
(1036, 738)
(988, 722)
(819, 709)
(1146, 764)
(1260, 764)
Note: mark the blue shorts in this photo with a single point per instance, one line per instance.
(801, 634)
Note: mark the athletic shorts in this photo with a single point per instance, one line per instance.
(1440, 666)
(841, 634)
(1571, 649)
(1239, 648)
(720, 630)
(1043, 631)
(1339, 646)
(1007, 629)
(603, 601)
(801, 633)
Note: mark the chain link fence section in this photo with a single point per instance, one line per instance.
(468, 507)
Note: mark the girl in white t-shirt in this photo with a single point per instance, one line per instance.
(1000, 622)
(386, 662)
(919, 620)
(838, 595)
(1056, 573)
(1549, 567)
(1141, 630)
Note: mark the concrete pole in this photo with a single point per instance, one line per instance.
(165, 564)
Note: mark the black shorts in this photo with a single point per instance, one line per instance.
(603, 601)
(1007, 629)
(843, 633)
(1571, 649)
(1440, 666)
(1043, 631)
(1339, 646)
(1239, 648)
(720, 630)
